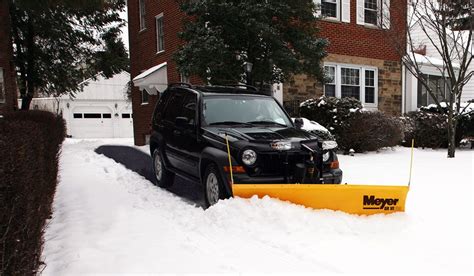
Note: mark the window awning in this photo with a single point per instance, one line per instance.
(153, 80)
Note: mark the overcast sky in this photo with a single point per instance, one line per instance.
(125, 28)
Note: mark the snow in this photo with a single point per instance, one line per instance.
(311, 125)
(110, 220)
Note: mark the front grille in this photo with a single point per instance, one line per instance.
(274, 163)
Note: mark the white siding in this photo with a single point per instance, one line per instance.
(420, 38)
(468, 93)
(105, 89)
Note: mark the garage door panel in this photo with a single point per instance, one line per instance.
(92, 122)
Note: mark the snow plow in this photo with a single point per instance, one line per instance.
(349, 198)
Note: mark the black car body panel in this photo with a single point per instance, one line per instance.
(188, 142)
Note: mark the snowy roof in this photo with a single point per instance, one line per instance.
(431, 61)
(153, 78)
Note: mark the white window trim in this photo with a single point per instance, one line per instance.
(334, 81)
(338, 12)
(142, 19)
(361, 69)
(379, 15)
(159, 16)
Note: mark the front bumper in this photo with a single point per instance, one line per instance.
(331, 177)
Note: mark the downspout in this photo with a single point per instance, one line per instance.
(404, 89)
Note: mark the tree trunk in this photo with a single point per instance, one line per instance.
(25, 101)
(452, 123)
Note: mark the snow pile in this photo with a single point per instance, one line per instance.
(109, 220)
(311, 125)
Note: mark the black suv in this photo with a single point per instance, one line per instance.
(190, 127)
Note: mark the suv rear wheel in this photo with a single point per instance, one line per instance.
(213, 185)
(164, 178)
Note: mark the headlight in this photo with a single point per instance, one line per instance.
(326, 156)
(249, 157)
(327, 145)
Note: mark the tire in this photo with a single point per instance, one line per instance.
(163, 177)
(213, 185)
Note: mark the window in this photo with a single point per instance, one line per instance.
(160, 35)
(106, 115)
(145, 97)
(437, 84)
(329, 8)
(92, 115)
(189, 108)
(330, 86)
(355, 81)
(350, 83)
(184, 78)
(371, 10)
(142, 14)
(126, 116)
(174, 107)
(77, 115)
(2, 87)
(370, 86)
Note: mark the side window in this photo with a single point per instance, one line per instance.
(160, 106)
(174, 107)
(189, 108)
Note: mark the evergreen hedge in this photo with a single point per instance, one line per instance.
(30, 142)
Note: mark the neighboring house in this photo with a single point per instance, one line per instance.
(8, 91)
(361, 60)
(100, 110)
(430, 63)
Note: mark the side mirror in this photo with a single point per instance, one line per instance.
(181, 122)
(299, 123)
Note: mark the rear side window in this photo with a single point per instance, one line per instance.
(189, 108)
(174, 107)
(160, 105)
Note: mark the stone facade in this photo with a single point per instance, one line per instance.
(303, 87)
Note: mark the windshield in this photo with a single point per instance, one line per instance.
(244, 110)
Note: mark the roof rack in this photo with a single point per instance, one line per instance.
(180, 84)
(237, 85)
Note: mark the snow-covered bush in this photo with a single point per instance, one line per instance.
(29, 147)
(352, 126)
(429, 130)
(330, 112)
(429, 127)
(370, 131)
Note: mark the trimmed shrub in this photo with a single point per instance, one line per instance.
(429, 130)
(330, 112)
(352, 127)
(370, 131)
(429, 126)
(29, 146)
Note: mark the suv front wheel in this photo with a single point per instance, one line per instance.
(164, 178)
(213, 185)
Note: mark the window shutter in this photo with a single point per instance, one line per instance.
(360, 12)
(318, 8)
(346, 11)
(385, 14)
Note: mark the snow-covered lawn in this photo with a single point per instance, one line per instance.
(108, 219)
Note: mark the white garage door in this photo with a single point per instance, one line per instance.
(92, 122)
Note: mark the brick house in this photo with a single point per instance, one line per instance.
(363, 62)
(8, 91)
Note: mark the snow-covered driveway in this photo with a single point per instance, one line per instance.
(108, 219)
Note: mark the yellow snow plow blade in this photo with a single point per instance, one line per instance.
(353, 199)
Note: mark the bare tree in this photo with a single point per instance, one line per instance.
(446, 26)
